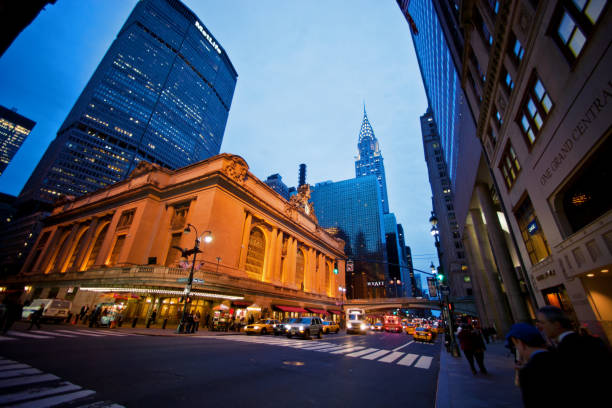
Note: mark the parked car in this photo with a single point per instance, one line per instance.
(264, 326)
(281, 329)
(305, 327)
(330, 327)
(421, 333)
(55, 310)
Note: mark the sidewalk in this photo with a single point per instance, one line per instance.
(457, 387)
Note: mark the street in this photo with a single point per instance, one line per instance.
(234, 370)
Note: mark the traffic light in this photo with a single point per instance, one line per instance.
(440, 277)
(335, 267)
(395, 312)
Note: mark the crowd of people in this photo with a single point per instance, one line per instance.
(556, 364)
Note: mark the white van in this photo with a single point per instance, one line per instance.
(54, 309)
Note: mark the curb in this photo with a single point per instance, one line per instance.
(443, 399)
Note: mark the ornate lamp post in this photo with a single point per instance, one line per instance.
(207, 237)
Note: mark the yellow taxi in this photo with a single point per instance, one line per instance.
(437, 328)
(423, 334)
(330, 327)
(410, 328)
(264, 326)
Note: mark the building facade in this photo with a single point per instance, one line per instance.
(122, 245)
(14, 128)
(542, 101)
(352, 210)
(399, 283)
(161, 94)
(369, 159)
(275, 181)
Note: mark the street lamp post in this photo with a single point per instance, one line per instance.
(195, 250)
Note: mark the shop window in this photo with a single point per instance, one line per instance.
(179, 218)
(557, 296)
(531, 232)
(81, 241)
(126, 219)
(573, 23)
(114, 256)
(173, 254)
(299, 269)
(256, 252)
(509, 166)
(586, 196)
(534, 110)
(95, 250)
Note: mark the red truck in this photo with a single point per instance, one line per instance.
(392, 324)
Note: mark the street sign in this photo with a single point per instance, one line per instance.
(195, 280)
(185, 280)
(349, 266)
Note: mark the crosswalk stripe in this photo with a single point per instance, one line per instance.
(16, 373)
(347, 350)
(37, 393)
(5, 362)
(78, 333)
(391, 357)
(319, 346)
(88, 333)
(33, 379)
(54, 333)
(13, 366)
(330, 349)
(362, 352)
(401, 347)
(408, 360)
(27, 335)
(3, 338)
(106, 333)
(55, 400)
(374, 356)
(424, 362)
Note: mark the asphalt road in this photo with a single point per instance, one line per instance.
(378, 369)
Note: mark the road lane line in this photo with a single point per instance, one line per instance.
(14, 366)
(401, 347)
(56, 400)
(362, 352)
(347, 350)
(27, 335)
(37, 393)
(391, 357)
(2, 338)
(81, 333)
(107, 333)
(376, 355)
(54, 333)
(408, 360)
(4, 362)
(19, 373)
(424, 362)
(12, 382)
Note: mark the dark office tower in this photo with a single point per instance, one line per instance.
(162, 94)
(15, 16)
(275, 181)
(14, 128)
(397, 286)
(352, 210)
(370, 160)
(302, 178)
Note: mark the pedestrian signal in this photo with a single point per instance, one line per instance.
(335, 267)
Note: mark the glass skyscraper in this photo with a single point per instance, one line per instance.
(162, 94)
(14, 128)
(369, 160)
(352, 210)
(442, 84)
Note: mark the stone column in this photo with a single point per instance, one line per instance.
(480, 296)
(246, 232)
(491, 280)
(87, 241)
(62, 256)
(47, 256)
(518, 307)
(108, 240)
(278, 256)
(291, 258)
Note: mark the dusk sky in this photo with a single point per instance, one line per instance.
(305, 68)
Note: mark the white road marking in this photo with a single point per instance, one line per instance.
(329, 349)
(401, 347)
(15, 366)
(424, 362)
(408, 360)
(5, 362)
(27, 335)
(33, 379)
(376, 355)
(362, 352)
(56, 400)
(37, 393)
(347, 350)
(391, 357)
(17, 373)
(54, 333)
(2, 338)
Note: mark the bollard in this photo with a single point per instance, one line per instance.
(134, 322)
(164, 324)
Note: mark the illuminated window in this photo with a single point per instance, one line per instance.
(573, 23)
(535, 108)
(256, 252)
(531, 232)
(509, 166)
(112, 260)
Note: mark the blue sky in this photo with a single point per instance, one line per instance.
(305, 68)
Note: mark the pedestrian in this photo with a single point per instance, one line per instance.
(189, 322)
(493, 334)
(539, 368)
(486, 334)
(36, 317)
(196, 322)
(207, 321)
(473, 347)
(585, 358)
(152, 317)
(93, 319)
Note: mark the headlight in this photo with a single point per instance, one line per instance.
(301, 328)
(273, 325)
(287, 326)
(348, 325)
(256, 327)
(363, 326)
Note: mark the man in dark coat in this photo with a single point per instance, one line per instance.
(586, 359)
(540, 375)
(473, 347)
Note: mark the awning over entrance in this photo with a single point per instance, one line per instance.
(336, 312)
(239, 303)
(313, 310)
(290, 309)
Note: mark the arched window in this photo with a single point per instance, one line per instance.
(80, 241)
(96, 247)
(256, 252)
(299, 269)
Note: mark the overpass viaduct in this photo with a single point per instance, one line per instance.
(466, 306)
